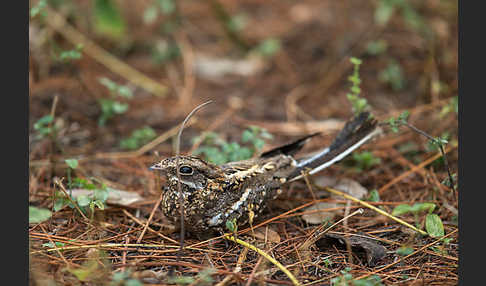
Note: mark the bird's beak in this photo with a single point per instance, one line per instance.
(157, 166)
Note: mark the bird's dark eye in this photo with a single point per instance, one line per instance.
(186, 170)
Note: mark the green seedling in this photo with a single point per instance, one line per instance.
(138, 138)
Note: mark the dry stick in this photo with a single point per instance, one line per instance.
(342, 194)
(58, 23)
(181, 195)
(405, 257)
(156, 206)
(420, 166)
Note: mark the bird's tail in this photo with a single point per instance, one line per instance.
(355, 133)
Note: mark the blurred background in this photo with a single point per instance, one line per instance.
(284, 61)
(110, 81)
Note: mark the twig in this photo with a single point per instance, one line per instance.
(268, 257)
(156, 206)
(342, 194)
(58, 23)
(181, 195)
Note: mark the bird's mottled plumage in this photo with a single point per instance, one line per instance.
(239, 190)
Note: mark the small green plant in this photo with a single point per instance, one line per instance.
(358, 103)
(395, 123)
(153, 11)
(85, 202)
(45, 127)
(346, 279)
(138, 138)
(377, 47)
(374, 196)
(268, 47)
(52, 245)
(38, 215)
(441, 248)
(70, 55)
(108, 20)
(435, 144)
(217, 151)
(72, 165)
(365, 160)
(110, 106)
(393, 75)
(433, 223)
(165, 51)
(39, 8)
(237, 22)
(386, 8)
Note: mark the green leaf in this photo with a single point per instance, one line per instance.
(355, 61)
(150, 14)
(51, 245)
(404, 251)
(43, 121)
(231, 225)
(99, 204)
(376, 47)
(374, 196)
(420, 207)
(167, 6)
(434, 226)
(383, 12)
(124, 91)
(108, 20)
(237, 22)
(119, 107)
(72, 163)
(59, 203)
(83, 200)
(269, 47)
(100, 194)
(38, 215)
(258, 143)
(38, 8)
(247, 136)
(401, 209)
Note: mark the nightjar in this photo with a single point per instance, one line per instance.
(240, 190)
